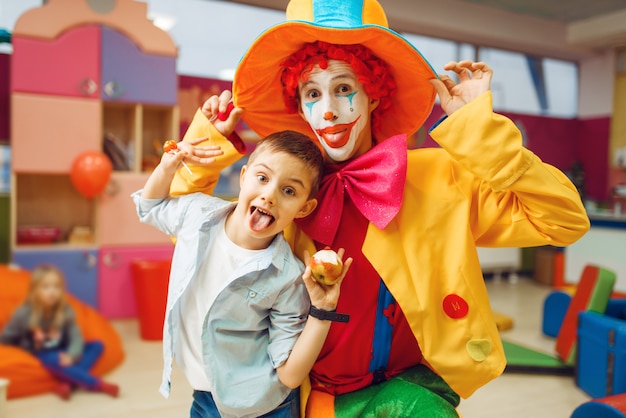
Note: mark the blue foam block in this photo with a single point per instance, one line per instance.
(554, 309)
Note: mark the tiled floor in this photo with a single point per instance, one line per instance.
(510, 396)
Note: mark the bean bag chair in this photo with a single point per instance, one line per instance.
(25, 373)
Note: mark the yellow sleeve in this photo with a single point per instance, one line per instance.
(517, 200)
(204, 178)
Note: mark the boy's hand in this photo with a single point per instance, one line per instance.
(199, 155)
(170, 161)
(324, 296)
(474, 80)
(215, 105)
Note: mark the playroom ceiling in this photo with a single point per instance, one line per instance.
(562, 11)
(557, 10)
(567, 29)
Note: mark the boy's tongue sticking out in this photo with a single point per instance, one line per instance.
(259, 219)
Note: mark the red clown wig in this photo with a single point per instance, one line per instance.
(371, 72)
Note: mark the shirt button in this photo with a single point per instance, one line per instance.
(455, 306)
(478, 349)
(252, 293)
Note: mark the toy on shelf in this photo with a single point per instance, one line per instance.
(38, 234)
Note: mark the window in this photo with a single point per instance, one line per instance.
(521, 84)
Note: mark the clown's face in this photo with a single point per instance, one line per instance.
(335, 105)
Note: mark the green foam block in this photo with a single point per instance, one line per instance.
(524, 359)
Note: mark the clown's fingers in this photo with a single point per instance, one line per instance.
(442, 87)
(210, 108)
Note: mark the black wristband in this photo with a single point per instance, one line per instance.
(328, 315)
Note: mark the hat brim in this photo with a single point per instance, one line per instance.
(257, 87)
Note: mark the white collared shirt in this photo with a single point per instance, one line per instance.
(255, 320)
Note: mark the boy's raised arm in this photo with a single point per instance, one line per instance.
(159, 183)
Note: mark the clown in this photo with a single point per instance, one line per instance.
(421, 332)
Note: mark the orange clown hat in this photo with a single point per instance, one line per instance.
(257, 84)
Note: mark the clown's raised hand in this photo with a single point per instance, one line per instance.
(216, 109)
(474, 80)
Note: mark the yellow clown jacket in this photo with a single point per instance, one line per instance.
(481, 188)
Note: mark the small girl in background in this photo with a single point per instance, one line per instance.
(45, 325)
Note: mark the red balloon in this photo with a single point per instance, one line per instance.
(90, 173)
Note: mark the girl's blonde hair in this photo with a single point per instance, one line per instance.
(57, 314)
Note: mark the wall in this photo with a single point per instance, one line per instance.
(597, 78)
(595, 107)
(561, 142)
(193, 92)
(593, 153)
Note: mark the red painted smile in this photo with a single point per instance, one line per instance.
(337, 136)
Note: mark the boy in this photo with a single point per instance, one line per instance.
(236, 306)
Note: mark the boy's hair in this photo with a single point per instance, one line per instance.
(298, 145)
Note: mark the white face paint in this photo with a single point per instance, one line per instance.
(335, 105)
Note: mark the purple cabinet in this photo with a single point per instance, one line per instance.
(129, 75)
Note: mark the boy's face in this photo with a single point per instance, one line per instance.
(275, 189)
(335, 105)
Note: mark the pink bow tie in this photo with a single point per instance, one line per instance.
(375, 183)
